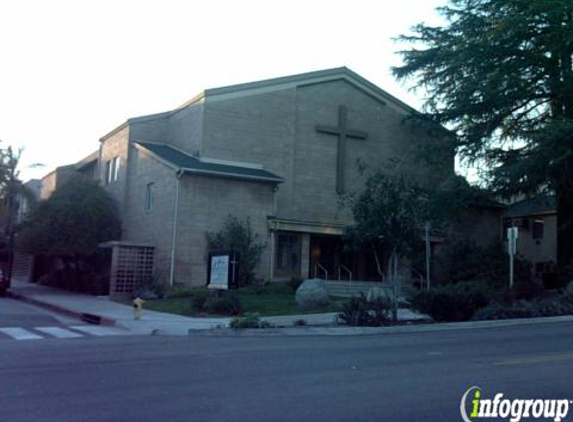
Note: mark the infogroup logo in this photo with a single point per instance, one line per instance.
(474, 406)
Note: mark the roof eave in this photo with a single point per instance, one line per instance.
(226, 175)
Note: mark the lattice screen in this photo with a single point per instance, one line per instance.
(132, 266)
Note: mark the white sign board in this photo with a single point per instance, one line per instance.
(512, 234)
(219, 275)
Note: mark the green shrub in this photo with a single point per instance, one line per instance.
(259, 289)
(248, 321)
(452, 302)
(523, 309)
(464, 261)
(150, 291)
(358, 311)
(178, 290)
(236, 235)
(198, 299)
(525, 290)
(295, 283)
(222, 303)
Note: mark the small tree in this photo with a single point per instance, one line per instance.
(71, 223)
(11, 191)
(236, 235)
(388, 215)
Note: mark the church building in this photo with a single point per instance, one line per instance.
(277, 152)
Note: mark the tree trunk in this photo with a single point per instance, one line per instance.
(394, 279)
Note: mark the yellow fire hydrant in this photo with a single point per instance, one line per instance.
(137, 307)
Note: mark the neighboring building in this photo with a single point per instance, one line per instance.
(278, 152)
(536, 219)
(23, 265)
(56, 179)
(86, 167)
(34, 187)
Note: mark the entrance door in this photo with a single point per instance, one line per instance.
(332, 254)
(328, 253)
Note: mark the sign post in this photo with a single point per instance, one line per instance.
(427, 228)
(223, 270)
(512, 234)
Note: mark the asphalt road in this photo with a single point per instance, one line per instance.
(399, 377)
(20, 321)
(16, 313)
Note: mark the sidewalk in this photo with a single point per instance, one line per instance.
(106, 312)
(103, 311)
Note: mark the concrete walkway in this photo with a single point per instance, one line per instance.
(103, 311)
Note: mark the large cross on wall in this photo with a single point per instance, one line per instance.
(342, 132)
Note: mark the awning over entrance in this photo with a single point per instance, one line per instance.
(282, 224)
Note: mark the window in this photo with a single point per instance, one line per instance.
(115, 167)
(288, 255)
(112, 170)
(149, 197)
(107, 172)
(537, 231)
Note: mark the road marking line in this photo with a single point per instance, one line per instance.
(98, 330)
(535, 359)
(18, 333)
(58, 332)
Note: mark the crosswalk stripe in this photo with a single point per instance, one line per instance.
(18, 333)
(58, 332)
(98, 330)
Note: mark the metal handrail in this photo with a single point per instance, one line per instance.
(318, 266)
(345, 268)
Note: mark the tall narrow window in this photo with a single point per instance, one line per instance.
(149, 197)
(112, 170)
(115, 168)
(108, 172)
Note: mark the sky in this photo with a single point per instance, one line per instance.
(71, 71)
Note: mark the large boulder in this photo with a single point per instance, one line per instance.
(312, 293)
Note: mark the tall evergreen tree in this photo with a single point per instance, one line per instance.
(499, 73)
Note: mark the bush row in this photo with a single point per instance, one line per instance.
(472, 300)
(523, 309)
(452, 302)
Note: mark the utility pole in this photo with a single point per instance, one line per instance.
(512, 234)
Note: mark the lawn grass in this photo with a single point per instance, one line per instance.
(266, 300)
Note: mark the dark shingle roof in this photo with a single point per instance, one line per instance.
(537, 205)
(192, 165)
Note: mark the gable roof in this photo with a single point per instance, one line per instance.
(542, 204)
(285, 82)
(302, 79)
(189, 164)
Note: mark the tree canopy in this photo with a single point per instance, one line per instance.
(499, 73)
(71, 223)
(388, 214)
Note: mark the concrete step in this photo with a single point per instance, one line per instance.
(346, 289)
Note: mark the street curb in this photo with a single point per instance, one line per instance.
(84, 316)
(361, 331)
